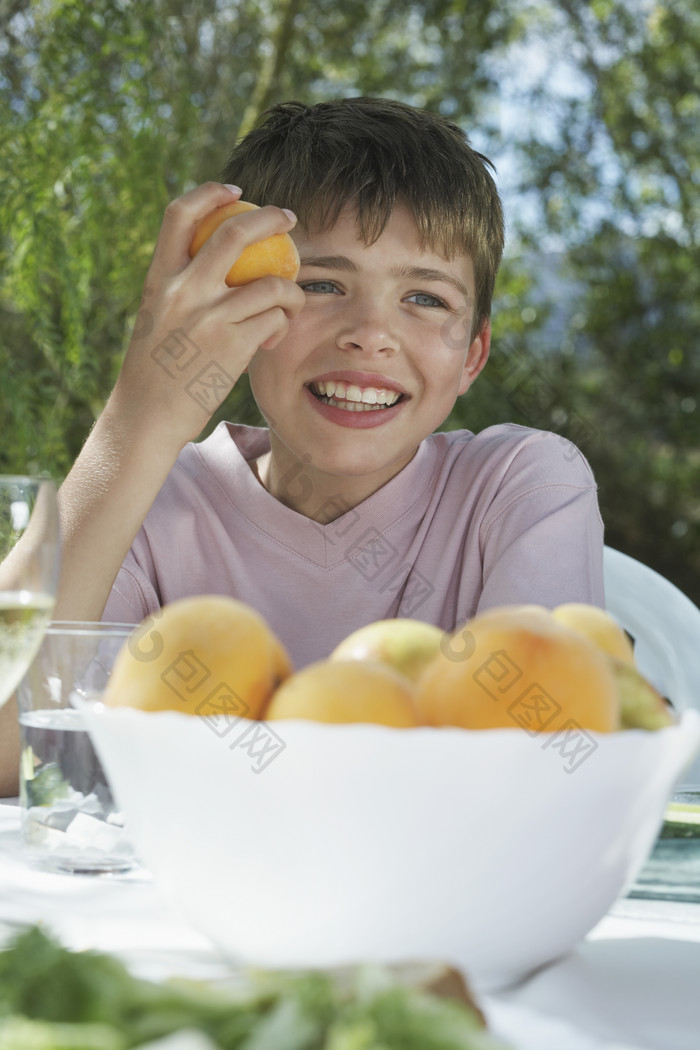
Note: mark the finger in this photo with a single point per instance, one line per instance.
(242, 317)
(262, 332)
(250, 300)
(218, 254)
(234, 354)
(181, 216)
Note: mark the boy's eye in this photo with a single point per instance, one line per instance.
(426, 299)
(318, 287)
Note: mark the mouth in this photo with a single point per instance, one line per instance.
(354, 398)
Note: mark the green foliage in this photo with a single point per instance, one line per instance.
(78, 222)
(616, 183)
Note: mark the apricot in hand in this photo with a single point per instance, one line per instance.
(275, 256)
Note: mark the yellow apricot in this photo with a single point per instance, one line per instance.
(207, 655)
(344, 691)
(516, 666)
(273, 256)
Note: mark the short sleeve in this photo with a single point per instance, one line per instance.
(542, 541)
(133, 596)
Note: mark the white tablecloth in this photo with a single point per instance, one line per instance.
(634, 983)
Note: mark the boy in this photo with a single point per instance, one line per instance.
(348, 507)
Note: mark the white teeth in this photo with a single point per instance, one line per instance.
(354, 397)
(352, 406)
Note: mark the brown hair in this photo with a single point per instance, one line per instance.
(375, 153)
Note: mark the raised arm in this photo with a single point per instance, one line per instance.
(193, 338)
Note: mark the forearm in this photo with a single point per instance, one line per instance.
(102, 504)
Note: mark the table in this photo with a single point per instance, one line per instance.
(633, 984)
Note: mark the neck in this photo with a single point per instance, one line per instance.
(316, 494)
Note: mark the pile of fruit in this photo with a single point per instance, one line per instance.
(520, 665)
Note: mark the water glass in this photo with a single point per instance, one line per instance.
(70, 821)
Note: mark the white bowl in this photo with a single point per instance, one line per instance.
(495, 851)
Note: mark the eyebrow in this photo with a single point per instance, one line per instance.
(412, 273)
(421, 273)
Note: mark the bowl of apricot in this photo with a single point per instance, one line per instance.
(351, 811)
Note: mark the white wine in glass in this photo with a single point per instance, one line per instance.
(29, 565)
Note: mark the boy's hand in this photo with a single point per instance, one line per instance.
(194, 336)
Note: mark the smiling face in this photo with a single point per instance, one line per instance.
(371, 366)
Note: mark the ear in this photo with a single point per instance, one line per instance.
(477, 356)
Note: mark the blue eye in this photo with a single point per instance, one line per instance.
(318, 287)
(425, 299)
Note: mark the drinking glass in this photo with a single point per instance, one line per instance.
(29, 564)
(70, 820)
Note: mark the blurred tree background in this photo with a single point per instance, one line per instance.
(590, 111)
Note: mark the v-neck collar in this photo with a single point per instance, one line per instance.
(231, 449)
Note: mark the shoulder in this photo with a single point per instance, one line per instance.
(223, 456)
(231, 445)
(510, 450)
(211, 473)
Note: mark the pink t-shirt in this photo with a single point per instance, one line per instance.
(473, 521)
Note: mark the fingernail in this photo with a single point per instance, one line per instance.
(234, 189)
(290, 214)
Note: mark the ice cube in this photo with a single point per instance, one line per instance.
(87, 832)
(59, 818)
(92, 806)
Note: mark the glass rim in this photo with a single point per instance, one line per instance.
(89, 627)
(24, 478)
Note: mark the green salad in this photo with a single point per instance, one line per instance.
(55, 999)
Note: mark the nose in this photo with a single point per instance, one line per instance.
(366, 327)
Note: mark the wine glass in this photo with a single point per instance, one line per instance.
(29, 564)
